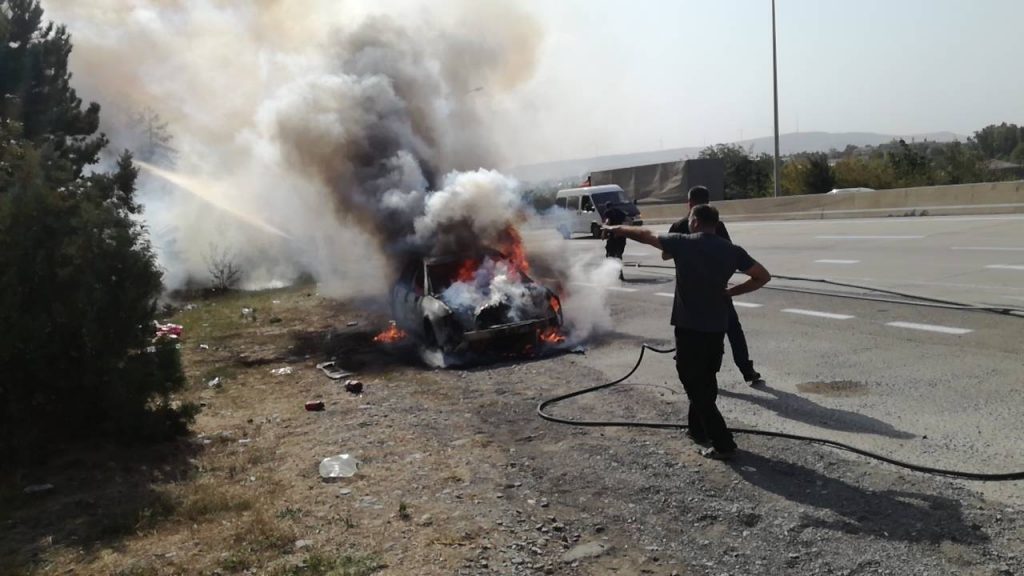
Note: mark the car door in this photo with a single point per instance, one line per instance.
(405, 297)
(573, 206)
(588, 214)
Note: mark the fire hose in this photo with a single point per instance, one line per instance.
(541, 411)
(914, 299)
(981, 476)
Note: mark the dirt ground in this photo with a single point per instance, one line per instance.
(459, 476)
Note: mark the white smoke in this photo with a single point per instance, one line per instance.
(585, 303)
(360, 133)
(300, 118)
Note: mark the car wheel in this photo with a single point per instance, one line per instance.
(595, 229)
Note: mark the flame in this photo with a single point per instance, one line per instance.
(555, 304)
(514, 250)
(391, 335)
(467, 271)
(551, 335)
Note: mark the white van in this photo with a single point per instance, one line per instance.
(585, 208)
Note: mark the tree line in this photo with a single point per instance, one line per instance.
(78, 278)
(985, 157)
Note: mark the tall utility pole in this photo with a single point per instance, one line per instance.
(775, 82)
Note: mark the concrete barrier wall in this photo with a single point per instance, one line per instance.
(984, 198)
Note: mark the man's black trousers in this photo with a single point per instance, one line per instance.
(698, 359)
(614, 248)
(738, 343)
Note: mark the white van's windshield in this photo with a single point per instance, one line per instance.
(615, 197)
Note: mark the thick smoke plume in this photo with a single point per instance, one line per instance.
(357, 133)
(329, 122)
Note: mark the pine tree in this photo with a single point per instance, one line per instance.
(78, 278)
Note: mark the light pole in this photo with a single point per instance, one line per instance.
(775, 85)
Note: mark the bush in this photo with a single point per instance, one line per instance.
(78, 289)
(78, 278)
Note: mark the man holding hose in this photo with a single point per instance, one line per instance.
(704, 264)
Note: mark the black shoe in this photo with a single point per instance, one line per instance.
(716, 454)
(699, 440)
(754, 379)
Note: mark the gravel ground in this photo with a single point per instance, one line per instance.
(460, 476)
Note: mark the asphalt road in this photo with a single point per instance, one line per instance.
(933, 386)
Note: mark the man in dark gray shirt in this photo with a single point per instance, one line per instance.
(697, 196)
(704, 264)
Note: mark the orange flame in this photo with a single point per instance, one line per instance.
(391, 335)
(551, 335)
(515, 251)
(467, 271)
(555, 304)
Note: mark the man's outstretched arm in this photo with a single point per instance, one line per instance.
(635, 233)
(759, 276)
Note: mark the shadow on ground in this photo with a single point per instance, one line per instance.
(99, 497)
(353, 349)
(800, 409)
(895, 515)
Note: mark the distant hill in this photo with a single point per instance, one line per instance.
(788, 144)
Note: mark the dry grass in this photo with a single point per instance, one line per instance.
(237, 496)
(204, 500)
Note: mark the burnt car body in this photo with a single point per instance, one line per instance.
(418, 308)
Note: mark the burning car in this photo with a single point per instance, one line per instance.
(458, 303)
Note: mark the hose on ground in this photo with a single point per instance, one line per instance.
(917, 299)
(542, 407)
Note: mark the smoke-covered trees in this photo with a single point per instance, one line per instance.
(78, 279)
(807, 174)
(1001, 141)
(746, 176)
(894, 165)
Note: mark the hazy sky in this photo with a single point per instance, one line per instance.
(619, 76)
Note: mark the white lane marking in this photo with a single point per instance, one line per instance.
(665, 294)
(881, 237)
(746, 304)
(1005, 267)
(829, 315)
(929, 328)
(621, 289)
(827, 261)
(991, 248)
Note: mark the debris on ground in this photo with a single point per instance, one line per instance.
(167, 331)
(581, 551)
(38, 488)
(333, 371)
(340, 466)
(248, 314)
(275, 320)
(215, 383)
(354, 386)
(315, 406)
(579, 350)
(204, 346)
(282, 371)
(351, 324)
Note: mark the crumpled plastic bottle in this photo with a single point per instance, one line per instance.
(340, 466)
